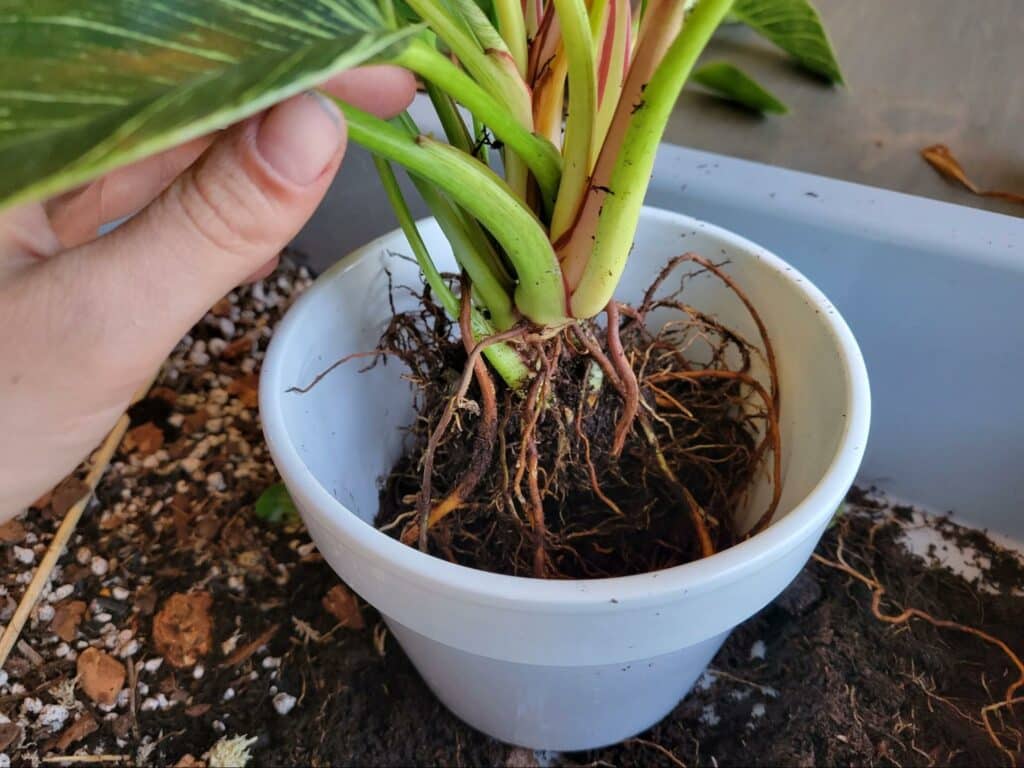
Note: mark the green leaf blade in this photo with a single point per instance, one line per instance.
(730, 82)
(275, 506)
(86, 88)
(795, 27)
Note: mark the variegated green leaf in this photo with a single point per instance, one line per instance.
(87, 86)
(794, 26)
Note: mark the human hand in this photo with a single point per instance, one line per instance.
(86, 321)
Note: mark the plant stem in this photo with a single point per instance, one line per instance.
(539, 155)
(451, 120)
(611, 27)
(486, 281)
(470, 243)
(512, 25)
(599, 262)
(579, 124)
(540, 294)
(505, 360)
(387, 9)
(498, 80)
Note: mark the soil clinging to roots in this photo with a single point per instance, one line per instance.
(628, 451)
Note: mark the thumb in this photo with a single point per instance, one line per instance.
(222, 220)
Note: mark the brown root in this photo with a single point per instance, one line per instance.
(629, 450)
(878, 593)
(483, 448)
(630, 388)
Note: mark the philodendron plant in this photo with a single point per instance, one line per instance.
(573, 97)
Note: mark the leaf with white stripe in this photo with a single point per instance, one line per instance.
(87, 86)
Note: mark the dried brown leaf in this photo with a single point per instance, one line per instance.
(10, 734)
(198, 710)
(195, 421)
(12, 532)
(66, 495)
(343, 605)
(67, 615)
(222, 308)
(939, 157)
(145, 600)
(100, 675)
(250, 648)
(237, 347)
(166, 394)
(143, 439)
(183, 630)
(246, 389)
(77, 731)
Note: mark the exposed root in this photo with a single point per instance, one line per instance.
(630, 388)
(772, 440)
(878, 592)
(483, 448)
(669, 754)
(629, 451)
(428, 460)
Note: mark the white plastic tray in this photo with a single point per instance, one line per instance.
(934, 293)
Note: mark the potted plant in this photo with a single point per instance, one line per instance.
(627, 489)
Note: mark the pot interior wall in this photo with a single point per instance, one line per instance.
(349, 427)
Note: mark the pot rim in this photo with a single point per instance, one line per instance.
(524, 592)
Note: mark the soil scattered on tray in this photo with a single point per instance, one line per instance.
(234, 638)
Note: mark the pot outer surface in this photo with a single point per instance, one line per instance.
(563, 665)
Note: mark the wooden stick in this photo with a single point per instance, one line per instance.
(67, 527)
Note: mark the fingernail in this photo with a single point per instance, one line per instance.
(300, 137)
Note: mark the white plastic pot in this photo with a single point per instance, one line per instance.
(562, 665)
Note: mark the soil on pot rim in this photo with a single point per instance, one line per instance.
(628, 450)
(306, 675)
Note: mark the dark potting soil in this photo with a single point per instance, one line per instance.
(627, 451)
(814, 679)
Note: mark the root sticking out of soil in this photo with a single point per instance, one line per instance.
(629, 450)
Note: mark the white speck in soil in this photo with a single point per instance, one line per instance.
(152, 665)
(271, 662)
(709, 717)
(24, 555)
(99, 566)
(32, 705)
(129, 649)
(283, 703)
(705, 681)
(758, 650)
(61, 593)
(120, 593)
(53, 716)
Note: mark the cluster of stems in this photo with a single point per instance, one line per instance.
(577, 95)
